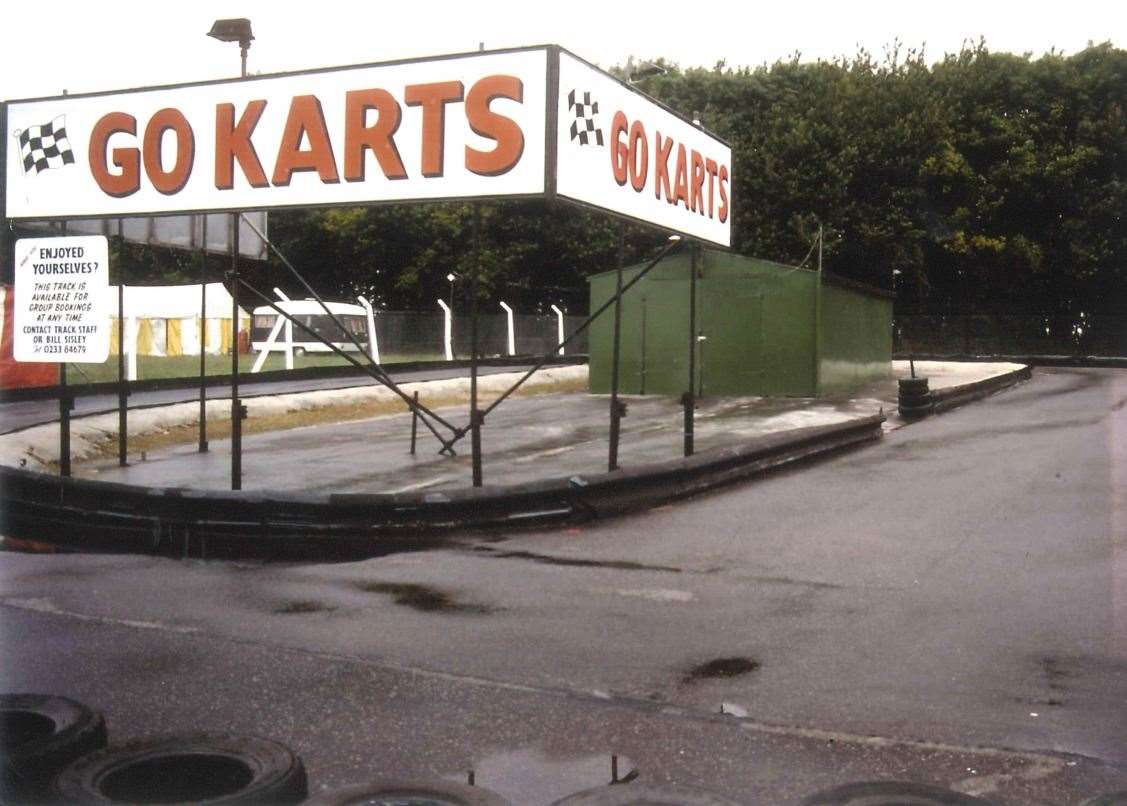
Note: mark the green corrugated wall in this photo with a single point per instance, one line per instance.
(757, 322)
(856, 339)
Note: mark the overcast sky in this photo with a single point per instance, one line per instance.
(84, 46)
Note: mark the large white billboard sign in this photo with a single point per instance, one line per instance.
(476, 126)
(58, 314)
(618, 150)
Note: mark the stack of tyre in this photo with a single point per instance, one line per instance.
(54, 750)
(914, 398)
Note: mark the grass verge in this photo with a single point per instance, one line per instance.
(150, 367)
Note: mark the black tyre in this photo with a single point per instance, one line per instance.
(891, 793)
(409, 793)
(198, 769)
(915, 412)
(918, 385)
(39, 736)
(646, 795)
(914, 397)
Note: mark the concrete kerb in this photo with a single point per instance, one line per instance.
(953, 396)
(1092, 361)
(107, 516)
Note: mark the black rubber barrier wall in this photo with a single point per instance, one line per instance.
(93, 515)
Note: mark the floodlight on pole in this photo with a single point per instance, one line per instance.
(234, 30)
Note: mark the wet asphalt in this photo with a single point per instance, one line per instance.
(947, 606)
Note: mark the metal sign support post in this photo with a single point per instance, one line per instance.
(203, 336)
(475, 415)
(237, 409)
(617, 410)
(122, 379)
(414, 421)
(66, 403)
(372, 368)
(669, 247)
(688, 400)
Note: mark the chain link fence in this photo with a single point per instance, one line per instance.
(1012, 334)
(414, 333)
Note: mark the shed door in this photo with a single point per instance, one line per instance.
(731, 355)
(665, 338)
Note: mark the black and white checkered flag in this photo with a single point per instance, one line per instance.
(584, 124)
(46, 146)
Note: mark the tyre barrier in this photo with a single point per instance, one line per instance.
(647, 795)
(53, 749)
(40, 735)
(91, 515)
(219, 769)
(409, 793)
(891, 793)
(914, 398)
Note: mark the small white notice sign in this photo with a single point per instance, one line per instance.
(58, 313)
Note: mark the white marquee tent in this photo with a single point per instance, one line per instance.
(165, 319)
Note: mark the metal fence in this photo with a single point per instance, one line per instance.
(1012, 334)
(414, 333)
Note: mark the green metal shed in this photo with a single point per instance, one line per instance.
(763, 329)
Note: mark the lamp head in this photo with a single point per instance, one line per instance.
(233, 30)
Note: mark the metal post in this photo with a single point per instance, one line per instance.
(414, 422)
(818, 319)
(616, 411)
(122, 375)
(64, 422)
(688, 400)
(674, 243)
(237, 409)
(203, 336)
(642, 383)
(236, 406)
(65, 405)
(475, 415)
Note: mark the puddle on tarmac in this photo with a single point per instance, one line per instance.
(531, 778)
(423, 598)
(574, 562)
(302, 606)
(720, 668)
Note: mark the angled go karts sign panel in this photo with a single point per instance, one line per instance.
(530, 122)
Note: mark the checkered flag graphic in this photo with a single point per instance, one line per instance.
(584, 124)
(45, 146)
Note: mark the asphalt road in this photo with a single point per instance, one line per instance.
(947, 606)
